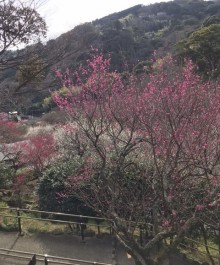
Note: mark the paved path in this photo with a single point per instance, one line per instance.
(69, 246)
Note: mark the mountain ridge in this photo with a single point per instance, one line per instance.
(129, 36)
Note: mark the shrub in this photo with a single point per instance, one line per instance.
(52, 191)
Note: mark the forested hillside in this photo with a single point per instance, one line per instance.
(129, 37)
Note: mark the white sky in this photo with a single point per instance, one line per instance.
(63, 15)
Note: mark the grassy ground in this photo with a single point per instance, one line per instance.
(199, 253)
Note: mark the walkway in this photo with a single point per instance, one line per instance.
(69, 246)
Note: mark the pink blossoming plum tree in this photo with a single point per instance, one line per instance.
(150, 148)
(37, 152)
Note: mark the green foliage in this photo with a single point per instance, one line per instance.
(6, 175)
(203, 47)
(48, 102)
(63, 91)
(85, 34)
(9, 224)
(52, 190)
(31, 71)
(211, 20)
(3, 204)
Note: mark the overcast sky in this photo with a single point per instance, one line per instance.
(63, 15)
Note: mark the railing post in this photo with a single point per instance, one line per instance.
(33, 260)
(82, 231)
(110, 230)
(19, 221)
(46, 262)
(98, 228)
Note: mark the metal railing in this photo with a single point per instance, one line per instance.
(33, 259)
(80, 220)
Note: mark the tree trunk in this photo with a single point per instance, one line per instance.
(141, 259)
(138, 254)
